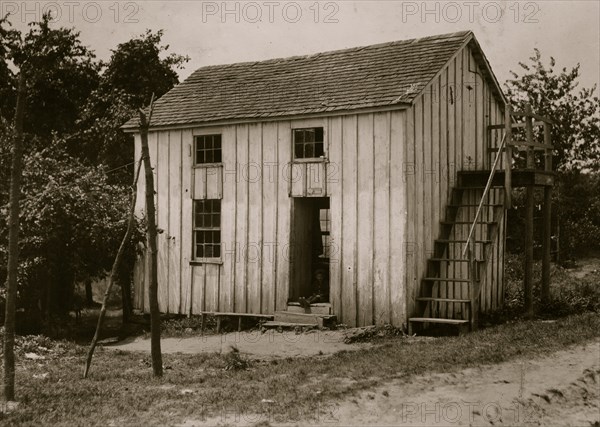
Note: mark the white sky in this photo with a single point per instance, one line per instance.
(507, 30)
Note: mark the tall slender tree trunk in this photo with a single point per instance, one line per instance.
(151, 236)
(13, 246)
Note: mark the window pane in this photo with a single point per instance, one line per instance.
(318, 149)
(309, 135)
(217, 142)
(216, 220)
(217, 251)
(208, 251)
(308, 151)
(199, 251)
(319, 134)
(299, 154)
(209, 156)
(298, 136)
(218, 158)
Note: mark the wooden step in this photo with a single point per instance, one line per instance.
(271, 324)
(302, 318)
(320, 308)
(461, 324)
(468, 301)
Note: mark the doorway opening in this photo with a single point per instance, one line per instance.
(311, 250)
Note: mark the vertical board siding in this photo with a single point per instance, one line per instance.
(381, 219)
(334, 186)
(269, 215)
(349, 163)
(162, 171)
(228, 220)
(397, 218)
(174, 222)
(365, 219)
(242, 217)
(186, 220)
(255, 218)
(282, 250)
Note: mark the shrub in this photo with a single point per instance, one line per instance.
(570, 294)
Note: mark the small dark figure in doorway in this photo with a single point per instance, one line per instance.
(320, 290)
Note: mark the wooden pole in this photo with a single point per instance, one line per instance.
(529, 133)
(546, 245)
(152, 247)
(528, 267)
(13, 244)
(548, 144)
(508, 157)
(474, 289)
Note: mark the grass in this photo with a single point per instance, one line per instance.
(121, 390)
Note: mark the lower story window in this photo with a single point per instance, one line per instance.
(207, 228)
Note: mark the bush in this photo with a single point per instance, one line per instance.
(570, 294)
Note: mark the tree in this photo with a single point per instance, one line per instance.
(135, 71)
(13, 245)
(576, 114)
(61, 76)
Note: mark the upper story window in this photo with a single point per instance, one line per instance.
(308, 143)
(208, 149)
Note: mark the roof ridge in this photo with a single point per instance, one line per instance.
(457, 34)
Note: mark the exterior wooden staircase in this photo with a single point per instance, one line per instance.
(450, 291)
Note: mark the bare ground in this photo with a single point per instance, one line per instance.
(254, 345)
(559, 389)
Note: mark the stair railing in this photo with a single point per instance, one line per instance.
(469, 245)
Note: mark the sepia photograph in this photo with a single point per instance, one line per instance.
(300, 213)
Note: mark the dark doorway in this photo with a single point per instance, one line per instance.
(310, 245)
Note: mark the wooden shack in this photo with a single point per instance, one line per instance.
(367, 163)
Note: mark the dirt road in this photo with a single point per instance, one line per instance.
(560, 389)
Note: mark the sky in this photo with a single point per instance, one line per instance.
(218, 32)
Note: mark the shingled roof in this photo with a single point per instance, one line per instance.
(372, 76)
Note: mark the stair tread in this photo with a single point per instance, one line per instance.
(445, 279)
(443, 299)
(438, 320)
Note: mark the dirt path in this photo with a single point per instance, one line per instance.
(255, 345)
(560, 389)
